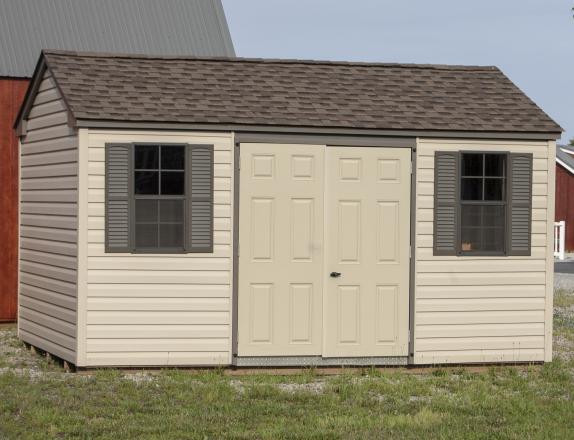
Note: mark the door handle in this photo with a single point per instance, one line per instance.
(335, 274)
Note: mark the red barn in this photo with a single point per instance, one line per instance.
(565, 191)
(12, 91)
(195, 27)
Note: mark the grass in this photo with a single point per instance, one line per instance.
(39, 401)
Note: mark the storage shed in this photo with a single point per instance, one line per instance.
(213, 211)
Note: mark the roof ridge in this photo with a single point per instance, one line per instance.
(451, 67)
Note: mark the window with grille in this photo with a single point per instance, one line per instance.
(483, 203)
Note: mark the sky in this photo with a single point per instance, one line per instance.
(532, 41)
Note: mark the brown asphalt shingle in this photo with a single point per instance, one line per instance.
(293, 93)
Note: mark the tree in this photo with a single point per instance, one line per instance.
(571, 142)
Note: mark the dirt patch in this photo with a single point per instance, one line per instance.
(14, 354)
(140, 377)
(563, 281)
(566, 314)
(316, 387)
(563, 347)
(237, 385)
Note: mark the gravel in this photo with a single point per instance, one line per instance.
(563, 281)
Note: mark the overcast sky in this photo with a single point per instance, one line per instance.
(532, 41)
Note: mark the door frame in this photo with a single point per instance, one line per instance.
(328, 140)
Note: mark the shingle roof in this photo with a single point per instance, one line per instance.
(294, 93)
(152, 27)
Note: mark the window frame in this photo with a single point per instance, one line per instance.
(133, 197)
(505, 203)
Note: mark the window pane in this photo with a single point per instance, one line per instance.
(172, 182)
(494, 189)
(472, 164)
(471, 189)
(493, 216)
(172, 158)
(146, 236)
(171, 236)
(471, 216)
(482, 228)
(146, 211)
(493, 239)
(171, 211)
(146, 157)
(470, 239)
(494, 165)
(146, 182)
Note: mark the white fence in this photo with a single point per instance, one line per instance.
(559, 239)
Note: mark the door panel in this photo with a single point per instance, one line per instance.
(367, 207)
(262, 237)
(280, 250)
(261, 305)
(349, 314)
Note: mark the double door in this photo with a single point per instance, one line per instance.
(323, 251)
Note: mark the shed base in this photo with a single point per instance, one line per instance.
(316, 361)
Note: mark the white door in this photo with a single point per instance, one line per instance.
(280, 250)
(307, 211)
(367, 212)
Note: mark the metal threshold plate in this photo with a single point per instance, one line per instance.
(316, 361)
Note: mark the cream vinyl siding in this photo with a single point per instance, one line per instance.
(48, 226)
(483, 309)
(154, 309)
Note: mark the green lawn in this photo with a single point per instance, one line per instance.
(39, 401)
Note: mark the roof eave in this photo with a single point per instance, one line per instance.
(155, 125)
(24, 111)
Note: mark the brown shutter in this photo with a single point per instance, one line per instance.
(118, 188)
(199, 168)
(446, 203)
(519, 203)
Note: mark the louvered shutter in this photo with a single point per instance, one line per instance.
(446, 203)
(118, 189)
(519, 203)
(199, 198)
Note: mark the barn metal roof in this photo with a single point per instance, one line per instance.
(155, 27)
(293, 93)
(565, 156)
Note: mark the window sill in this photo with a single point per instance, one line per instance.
(159, 251)
(481, 254)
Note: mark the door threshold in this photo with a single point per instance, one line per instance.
(317, 361)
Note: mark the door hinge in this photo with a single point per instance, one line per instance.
(409, 333)
(410, 252)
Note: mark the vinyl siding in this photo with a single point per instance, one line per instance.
(482, 309)
(153, 309)
(48, 226)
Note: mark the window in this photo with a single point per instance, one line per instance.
(159, 198)
(482, 203)
(159, 193)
